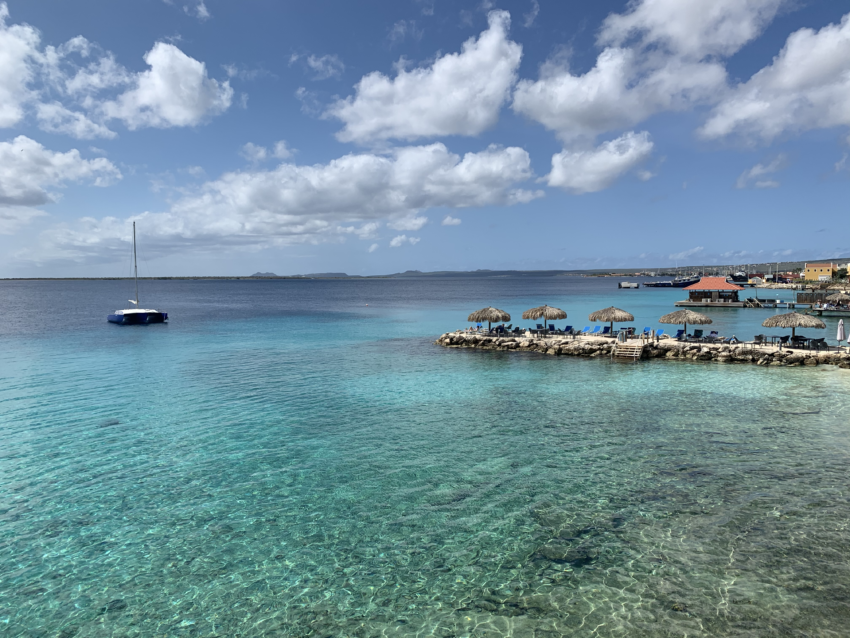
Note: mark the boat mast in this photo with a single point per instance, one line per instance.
(135, 265)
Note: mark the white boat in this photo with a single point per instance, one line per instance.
(136, 315)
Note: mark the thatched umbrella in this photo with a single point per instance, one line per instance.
(489, 315)
(685, 317)
(793, 320)
(545, 312)
(611, 315)
(838, 296)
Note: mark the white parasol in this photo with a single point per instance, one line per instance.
(840, 336)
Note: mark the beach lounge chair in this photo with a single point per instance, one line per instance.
(698, 334)
(647, 331)
(596, 330)
(606, 331)
(586, 330)
(658, 333)
(680, 334)
(712, 336)
(568, 330)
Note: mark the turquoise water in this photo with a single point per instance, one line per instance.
(284, 460)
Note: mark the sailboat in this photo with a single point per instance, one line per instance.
(137, 315)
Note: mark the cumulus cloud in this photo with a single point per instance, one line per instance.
(322, 67)
(660, 55)
(293, 203)
(28, 171)
(175, 91)
(55, 118)
(18, 53)
(588, 171)
(450, 221)
(255, 153)
(401, 240)
(757, 175)
(692, 28)
(64, 85)
(459, 94)
(410, 222)
(622, 89)
(807, 86)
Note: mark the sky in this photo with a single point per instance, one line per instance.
(388, 135)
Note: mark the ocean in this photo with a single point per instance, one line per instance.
(297, 458)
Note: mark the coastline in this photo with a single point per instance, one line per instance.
(663, 349)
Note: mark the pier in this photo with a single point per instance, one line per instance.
(745, 352)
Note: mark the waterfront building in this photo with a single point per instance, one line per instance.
(820, 272)
(711, 291)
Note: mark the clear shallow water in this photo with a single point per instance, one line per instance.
(285, 460)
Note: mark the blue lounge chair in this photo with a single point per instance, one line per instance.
(568, 330)
(606, 331)
(586, 330)
(647, 331)
(552, 327)
(698, 334)
(679, 334)
(596, 330)
(658, 333)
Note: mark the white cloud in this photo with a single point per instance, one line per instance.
(806, 87)
(176, 91)
(761, 170)
(253, 152)
(282, 151)
(588, 171)
(450, 221)
(403, 29)
(531, 16)
(459, 94)
(28, 170)
(660, 55)
(692, 28)
(55, 118)
(373, 248)
(200, 11)
(408, 222)
(322, 67)
(841, 164)
(687, 253)
(294, 203)
(18, 51)
(621, 90)
(64, 85)
(400, 240)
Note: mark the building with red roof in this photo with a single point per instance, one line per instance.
(712, 291)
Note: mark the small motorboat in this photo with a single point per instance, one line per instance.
(136, 315)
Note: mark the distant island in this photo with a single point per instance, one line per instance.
(666, 272)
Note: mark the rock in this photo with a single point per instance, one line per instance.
(810, 361)
(113, 605)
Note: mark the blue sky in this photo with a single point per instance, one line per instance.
(375, 137)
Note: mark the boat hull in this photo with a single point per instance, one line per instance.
(138, 318)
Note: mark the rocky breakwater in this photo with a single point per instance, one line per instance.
(665, 349)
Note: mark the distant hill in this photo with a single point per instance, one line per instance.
(264, 274)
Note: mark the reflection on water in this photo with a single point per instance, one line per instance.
(242, 486)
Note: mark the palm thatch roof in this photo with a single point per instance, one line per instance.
(793, 320)
(545, 312)
(611, 315)
(685, 317)
(489, 314)
(838, 296)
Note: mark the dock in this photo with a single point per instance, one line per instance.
(667, 349)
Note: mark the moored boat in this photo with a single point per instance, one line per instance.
(136, 316)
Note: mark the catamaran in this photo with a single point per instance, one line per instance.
(137, 315)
